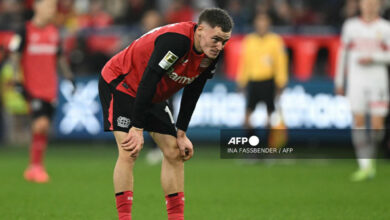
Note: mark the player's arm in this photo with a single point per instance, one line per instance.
(16, 47)
(280, 65)
(383, 57)
(341, 62)
(63, 64)
(189, 99)
(242, 72)
(168, 49)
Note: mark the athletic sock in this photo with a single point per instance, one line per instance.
(124, 201)
(175, 206)
(38, 148)
(363, 147)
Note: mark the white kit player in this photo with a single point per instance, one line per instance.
(363, 57)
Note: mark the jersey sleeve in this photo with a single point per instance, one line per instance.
(60, 50)
(280, 64)
(383, 57)
(168, 49)
(242, 72)
(191, 94)
(342, 56)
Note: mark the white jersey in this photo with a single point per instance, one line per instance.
(365, 83)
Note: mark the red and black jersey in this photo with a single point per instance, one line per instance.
(39, 47)
(159, 64)
(173, 53)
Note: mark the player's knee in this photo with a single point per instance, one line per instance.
(377, 125)
(359, 122)
(41, 125)
(125, 157)
(171, 152)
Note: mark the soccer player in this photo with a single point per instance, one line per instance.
(133, 88)
(262, 67)
(37, 48)
(363, 55)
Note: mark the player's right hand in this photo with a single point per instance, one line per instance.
(133, 142)
(185, 146)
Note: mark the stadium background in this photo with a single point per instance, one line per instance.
(81, 157)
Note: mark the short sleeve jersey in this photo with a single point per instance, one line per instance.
(39, 47)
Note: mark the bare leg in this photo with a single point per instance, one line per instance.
(123, 171)
(172, 168)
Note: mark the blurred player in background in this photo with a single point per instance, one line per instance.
(262, 68)
(37, 48)
(134, 87)
(364, 55)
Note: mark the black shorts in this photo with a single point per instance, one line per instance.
(118, 107)
(39, 108)
(262, 91)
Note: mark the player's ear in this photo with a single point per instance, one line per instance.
(200, 27)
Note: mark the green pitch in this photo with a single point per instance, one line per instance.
(81, 187)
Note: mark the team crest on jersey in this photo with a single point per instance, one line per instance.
(123, 122)
(168, 60)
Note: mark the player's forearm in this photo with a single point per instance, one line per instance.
(145, 93)
(15, 63)
(281, 76)
(381, 58)
(65, 68)
(340, 71)
(189, 99)
(180, 133)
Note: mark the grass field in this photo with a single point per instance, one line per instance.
(81, 187)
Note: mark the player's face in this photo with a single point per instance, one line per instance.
(370, 7)
(212, 40)
(262, 24)
(46, 9)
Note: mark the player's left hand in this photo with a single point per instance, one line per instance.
(133, 142)
(366, 61)
(185, 146)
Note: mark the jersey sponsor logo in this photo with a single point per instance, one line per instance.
(123, 122)
(181, 79)
(168, 60)
(42, 49)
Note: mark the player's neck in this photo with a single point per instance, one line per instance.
(262, 33)
(369, 18)
(197, 47)
(39, 22)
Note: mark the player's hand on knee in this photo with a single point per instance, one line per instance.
(185, 146)
(133, 142)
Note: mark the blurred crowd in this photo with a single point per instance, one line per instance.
(78, 14)
(126, 20)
